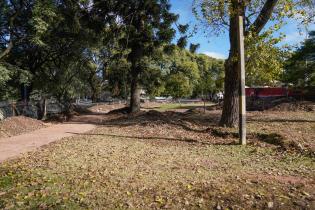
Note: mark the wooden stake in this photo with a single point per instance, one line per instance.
(241, 71)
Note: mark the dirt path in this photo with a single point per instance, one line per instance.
(13, 146)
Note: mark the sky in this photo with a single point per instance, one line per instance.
(218, 46)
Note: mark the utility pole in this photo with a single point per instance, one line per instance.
(241, 72)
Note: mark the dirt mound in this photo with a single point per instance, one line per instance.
(106, 108)
(151, 115)
(295, 106)
(202, 110)
(123, 110)
(13, 126)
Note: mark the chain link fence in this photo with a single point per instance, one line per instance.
(29, 109)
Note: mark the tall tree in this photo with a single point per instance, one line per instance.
(49, 39)
(148, 25)
(221, 15)
(300, 67)
(151, 26)
(211, 72)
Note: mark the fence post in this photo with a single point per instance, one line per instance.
(241, 71)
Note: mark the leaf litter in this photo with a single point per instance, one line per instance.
(168, 160)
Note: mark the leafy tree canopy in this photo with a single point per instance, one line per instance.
(300, 67)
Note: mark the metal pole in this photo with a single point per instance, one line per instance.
(241, 71)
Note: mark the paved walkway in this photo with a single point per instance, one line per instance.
(13, 146)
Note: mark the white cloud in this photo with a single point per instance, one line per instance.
(215, 55)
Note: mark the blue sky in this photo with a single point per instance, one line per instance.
(219, 46)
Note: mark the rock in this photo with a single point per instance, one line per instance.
(306, 194)
(246, 196)
(270, 205)
(299, 203)
(258, 197)
(218, 207)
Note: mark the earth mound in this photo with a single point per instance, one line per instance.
(295, 106)
(13, 126)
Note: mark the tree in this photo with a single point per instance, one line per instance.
(9, 12)
(193, 47)
(148, 25)
(178, 86)
(265, 60)
(211, 78)
(118, 78)
(300, 67)
(50, 40)
(13, 14)
(161, 70)
(221, 16)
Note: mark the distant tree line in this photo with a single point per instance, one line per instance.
(300, 67)
(180, 73)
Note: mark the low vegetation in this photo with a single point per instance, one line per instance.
(177, 106)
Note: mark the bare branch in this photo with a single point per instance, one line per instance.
(264, 16)
(11, 25)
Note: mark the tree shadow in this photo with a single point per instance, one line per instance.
(185, 140)
(279, 120)
(168, 117)
(271, 138)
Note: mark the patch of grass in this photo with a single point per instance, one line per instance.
(172, 106)
(5, 182)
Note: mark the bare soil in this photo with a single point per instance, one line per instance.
(12, 147)
(105, 108)
(13, 126)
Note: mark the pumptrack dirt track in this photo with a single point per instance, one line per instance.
(14, 146)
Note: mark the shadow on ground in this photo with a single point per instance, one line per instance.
(193, 126)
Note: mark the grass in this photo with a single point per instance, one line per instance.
(147, 163)
(172, 106)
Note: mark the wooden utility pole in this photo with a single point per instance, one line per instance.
(241, 72)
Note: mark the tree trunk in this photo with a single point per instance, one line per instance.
(93, 86)
(230, 111)
(42, 109)
(135, 91)
(94, 96)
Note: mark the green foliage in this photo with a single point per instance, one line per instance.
(193, 47)
(264, 57)
(300, 67)
(200, 74)
(118, 78)
(74, 48)
(182, 42)
(216, 14)
(44, 15)
(211, 75)
(265, 60)
(178, 85)
(49, 53)
(10, 77)
(4, 75)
